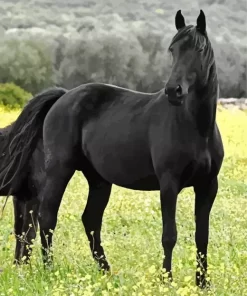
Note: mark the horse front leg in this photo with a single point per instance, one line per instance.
(168, 197)
(205, 194)
(98, 197)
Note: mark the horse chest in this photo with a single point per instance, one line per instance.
(197, 167)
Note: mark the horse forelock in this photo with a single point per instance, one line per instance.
(196, 39)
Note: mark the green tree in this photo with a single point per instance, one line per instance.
(27, 63)
(12, 95)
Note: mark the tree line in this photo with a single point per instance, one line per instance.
(109, 49)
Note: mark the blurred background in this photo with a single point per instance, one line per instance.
(123, 42)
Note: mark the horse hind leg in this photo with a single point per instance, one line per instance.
(98, 197)
(61, 157)
(26, 222)
(57, 178)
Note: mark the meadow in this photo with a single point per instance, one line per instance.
(131, 235)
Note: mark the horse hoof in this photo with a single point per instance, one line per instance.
(166, 277)
(104, 267)
(21, 262)
(202, 283)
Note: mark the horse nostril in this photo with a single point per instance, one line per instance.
(166, 93)
(179, 90)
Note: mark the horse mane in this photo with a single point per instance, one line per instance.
(19, 138)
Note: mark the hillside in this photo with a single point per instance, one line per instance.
(223, 17)
(60, 24)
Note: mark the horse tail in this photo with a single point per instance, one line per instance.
(23, 136)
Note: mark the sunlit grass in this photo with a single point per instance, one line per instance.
(132, 236)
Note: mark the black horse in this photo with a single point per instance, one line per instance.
(163, 141)
(25, 178)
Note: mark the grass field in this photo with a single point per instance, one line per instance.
(132, 236)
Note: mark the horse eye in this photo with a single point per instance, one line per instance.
(171, 50)
(200, 50)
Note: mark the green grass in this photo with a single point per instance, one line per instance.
(131, 236)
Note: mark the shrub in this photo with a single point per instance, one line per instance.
(114, 56)
(27, 63)
(13, 96)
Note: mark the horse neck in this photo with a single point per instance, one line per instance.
(205, 104)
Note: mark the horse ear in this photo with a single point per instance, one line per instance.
(179, 20)
(201, 22)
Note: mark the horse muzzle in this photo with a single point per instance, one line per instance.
(175, 95)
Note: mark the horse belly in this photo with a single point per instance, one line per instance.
(148, 183)
(134, 172)
(121, 161)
